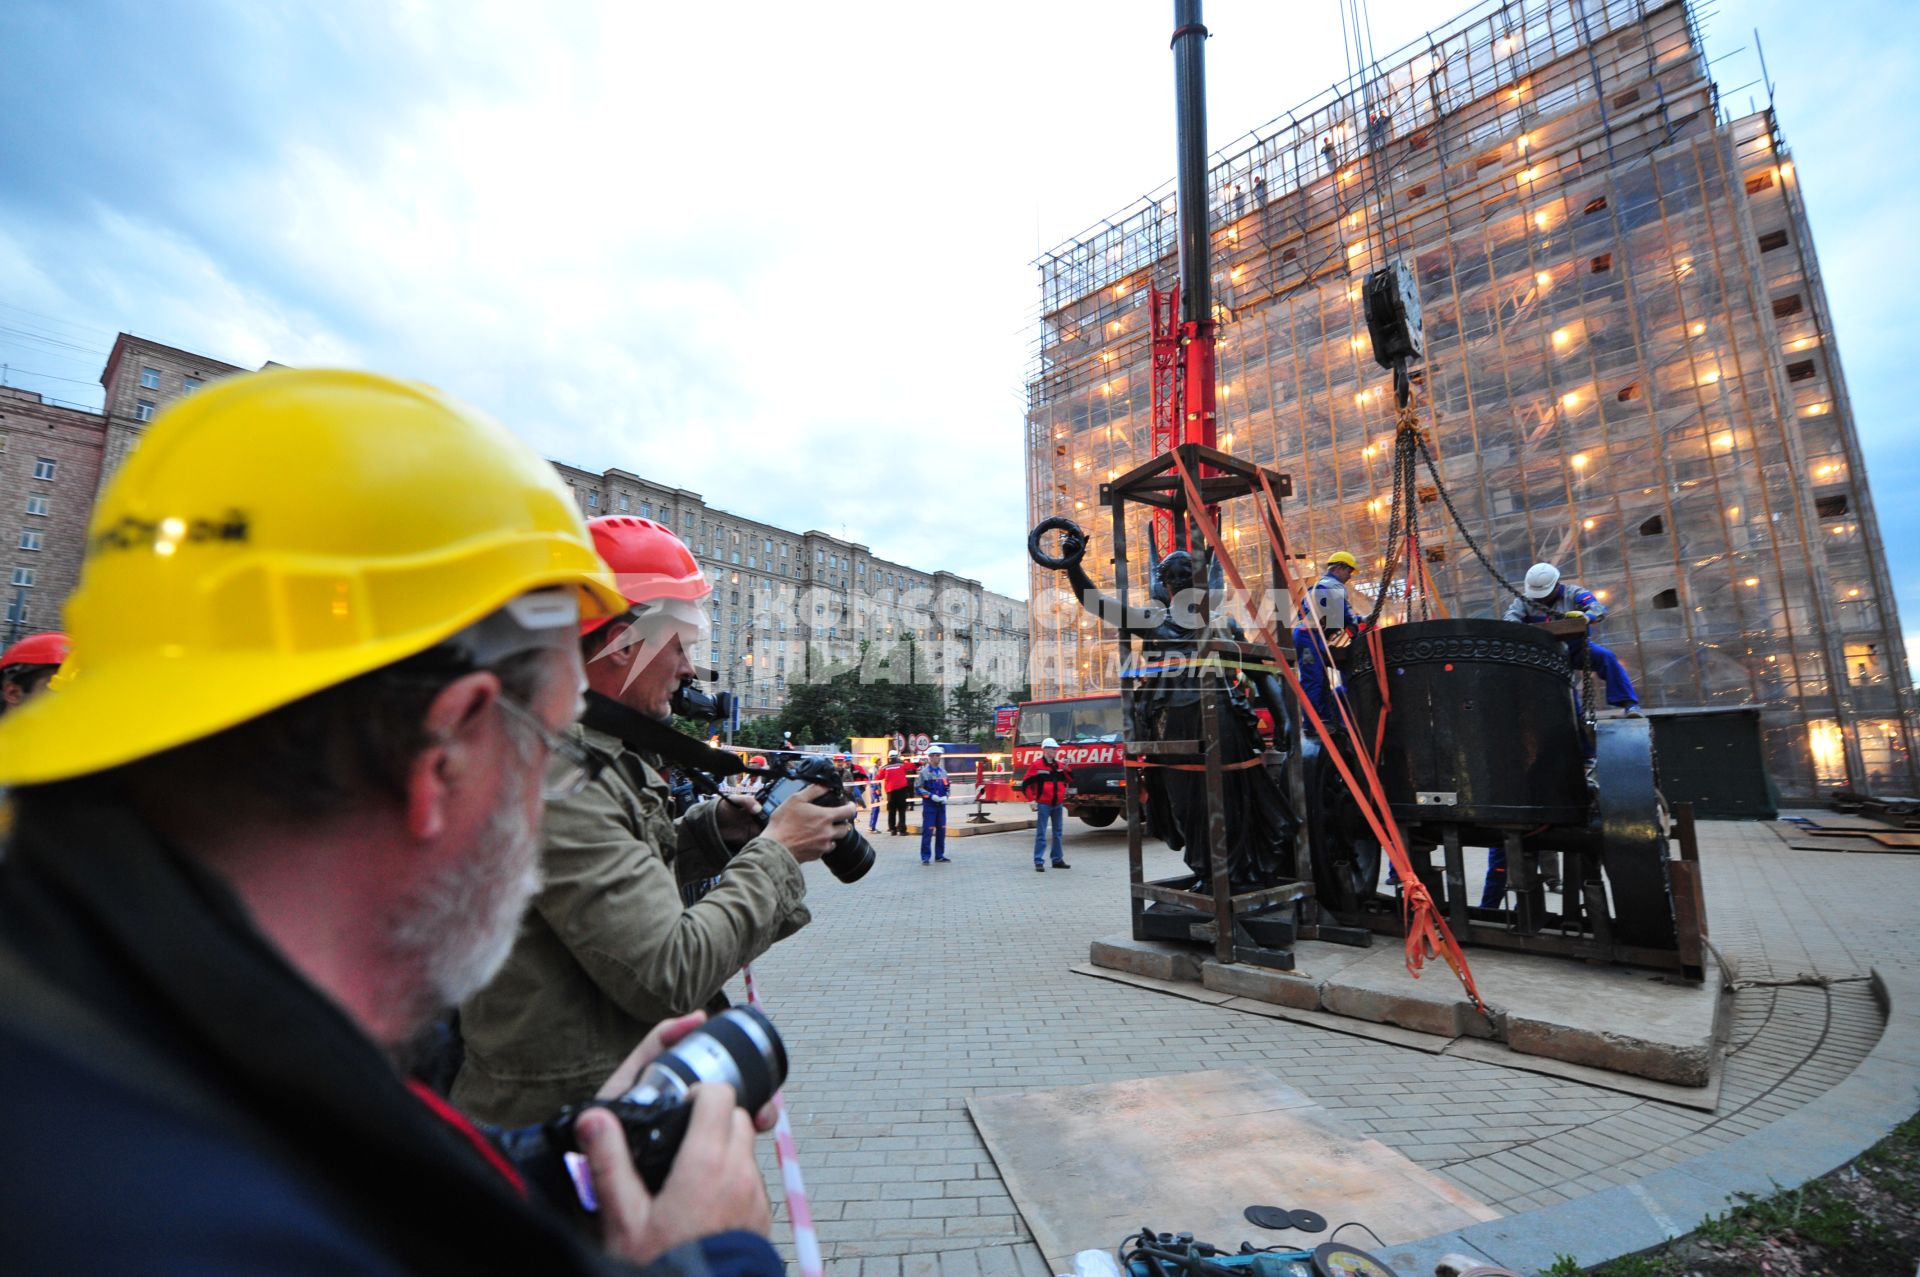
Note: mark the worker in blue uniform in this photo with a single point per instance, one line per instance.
(933, 788)
(1548, 598)
(1326, 610)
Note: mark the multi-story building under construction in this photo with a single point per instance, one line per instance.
(1630, 367)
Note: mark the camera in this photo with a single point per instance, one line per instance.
(739, 1046)
(702, 707)
(852, 855)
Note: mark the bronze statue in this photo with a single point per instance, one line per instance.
(1163, 703)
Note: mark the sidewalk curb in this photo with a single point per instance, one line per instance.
(1881, 1092)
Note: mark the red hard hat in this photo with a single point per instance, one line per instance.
(649, 562)
(758, 760)
(50, 648)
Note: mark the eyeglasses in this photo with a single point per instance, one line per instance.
(573, 766)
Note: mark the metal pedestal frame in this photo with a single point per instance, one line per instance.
(1280, 913)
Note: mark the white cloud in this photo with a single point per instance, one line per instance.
(773, 253)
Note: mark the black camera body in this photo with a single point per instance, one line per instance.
(739, 1046)
(852, 855)
(702, 707)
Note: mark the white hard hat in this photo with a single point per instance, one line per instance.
(1541, 579)
(1049, 743)
(935, 749)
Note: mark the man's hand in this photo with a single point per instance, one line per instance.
(739, 820)
(807, 831)
(715, 1184)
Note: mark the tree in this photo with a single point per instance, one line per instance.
(759, 733)
(970, 712)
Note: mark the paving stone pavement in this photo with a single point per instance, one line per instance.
(920, 986)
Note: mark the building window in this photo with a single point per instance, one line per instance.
(150, 378)
(190, 384)
(29, 539)
(624, 503)
(43, 468)
(143, 410)
(37, 505)
(17, 611)
(23, 576)
(593, 500)
(686, 520)
(646, 510)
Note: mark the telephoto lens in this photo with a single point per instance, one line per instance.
(739, 1047)
(850, 857)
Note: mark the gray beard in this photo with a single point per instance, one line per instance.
(454, 934)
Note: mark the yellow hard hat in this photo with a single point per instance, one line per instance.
(279, 533)
(1341, 556)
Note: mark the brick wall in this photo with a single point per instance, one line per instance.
(32, 434)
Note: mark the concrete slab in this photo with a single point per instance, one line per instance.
(1626, 1029)
(1705, 1098)
(1378, 987)
(1161, 959)
(1612, 1018)
(1283, 988)
(1083, 1162)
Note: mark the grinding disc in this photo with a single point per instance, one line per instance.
(1307, 1221)
(1269, 1216)
(1331, 1259)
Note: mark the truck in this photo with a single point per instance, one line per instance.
(1092, 737)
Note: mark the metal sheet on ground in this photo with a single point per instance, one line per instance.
(1189, 1152)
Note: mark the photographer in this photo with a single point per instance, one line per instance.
(609, 947)
(286, 815)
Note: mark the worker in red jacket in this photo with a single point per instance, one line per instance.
(1045, 785)
(897, 781)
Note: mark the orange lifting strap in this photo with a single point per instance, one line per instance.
(1428, 935)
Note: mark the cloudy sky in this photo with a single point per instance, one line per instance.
(777, 253)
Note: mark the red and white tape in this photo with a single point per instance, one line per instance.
(806, 1241)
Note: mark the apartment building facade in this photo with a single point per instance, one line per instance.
(50, 459)
(794, 606)
(1630, 370)
(787, 606)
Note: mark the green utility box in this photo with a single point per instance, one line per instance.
(1712, 758)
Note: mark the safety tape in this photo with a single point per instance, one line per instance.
(806, 1238)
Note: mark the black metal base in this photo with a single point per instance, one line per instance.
(1264, 940)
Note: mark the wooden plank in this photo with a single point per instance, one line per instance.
(1083, 1162)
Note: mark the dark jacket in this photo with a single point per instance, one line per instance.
(177, 1098)
(610, 947)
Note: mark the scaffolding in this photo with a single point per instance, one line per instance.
(1630, 367)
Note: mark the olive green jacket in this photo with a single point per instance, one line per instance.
(608, 949)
